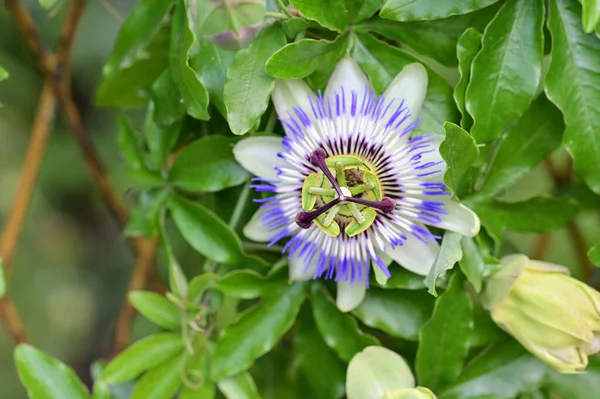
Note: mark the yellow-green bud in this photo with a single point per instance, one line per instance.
(554, 316)
(409, 393)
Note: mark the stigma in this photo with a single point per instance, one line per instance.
(343, 192)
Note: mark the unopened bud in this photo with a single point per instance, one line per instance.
(554, 316)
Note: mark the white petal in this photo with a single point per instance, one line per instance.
(347, 74)
(459, 219)
(350, 295)
(409, 85)
(290, 93)
(258, 155)
(256, 230)
(414, 255)
(298, 270)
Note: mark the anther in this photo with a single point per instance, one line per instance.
(304, 219)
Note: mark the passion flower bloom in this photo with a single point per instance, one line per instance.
(349, 184)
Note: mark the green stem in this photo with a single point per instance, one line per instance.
(284, 8)
(239, 207)
(270, 126)
(276, 15)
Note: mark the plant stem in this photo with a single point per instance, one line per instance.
(270, 126)
(276, 15)
(257, 247)
(239, 207)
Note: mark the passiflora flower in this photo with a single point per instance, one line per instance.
(350, 185)
(554, 316)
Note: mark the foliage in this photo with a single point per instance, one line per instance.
(513, 84)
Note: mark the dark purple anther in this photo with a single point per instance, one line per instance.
(304, 219)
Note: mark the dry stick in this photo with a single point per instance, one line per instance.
(141, 271)
(14, 223)
(59, 85)
(37, 144)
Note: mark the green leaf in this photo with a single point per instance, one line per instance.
(339, 330)
(383, 62)
(397, 312)
(538, 215)
(194, 94)
(591, 15)
(129, 144)
(248, 284)
(145, 354)
(210, 64)
(403, 279)
(199, 285)
(204, 231)
(256, 332)
(322, 371)
(300, 59)
(338, 14)
(537, 134)
(467, 48)
(472, 264)
(460, 152)
(512, 47)
(2, 279)
(161, 382)
(207, 165)
(145, 216)
(487, 376)
(593, 254)
(45, 377)
(575, 386)
(375, 371)
(156, 308)
(450, 253)
(214, 17)
(444, 339)
(168, 106)
(411, 10)
(206, 391)
(177, 281)
(159, 140)
(3, 74)
(48, 3)
(576, 60)
(436, 39)
(101, 390)
(241, 386)
(138, 57)
(248, 87)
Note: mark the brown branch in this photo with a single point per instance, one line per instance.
(141, 271)
(541, 246)
(16, 217)
(562, 178)
(58, 76)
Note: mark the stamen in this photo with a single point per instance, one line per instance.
(328, 192)
(340, 173)
(332, 214)
(356, 213)
(362, 188)
(317, 157)
(304, 219)
(386, 205)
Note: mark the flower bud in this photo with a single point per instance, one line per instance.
(379, 373)
(554, 316)
(409, 393)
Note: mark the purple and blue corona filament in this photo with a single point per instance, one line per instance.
(376, 131)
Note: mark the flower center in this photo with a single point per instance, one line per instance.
(344, 192)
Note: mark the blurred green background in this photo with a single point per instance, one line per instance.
(72, 264)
